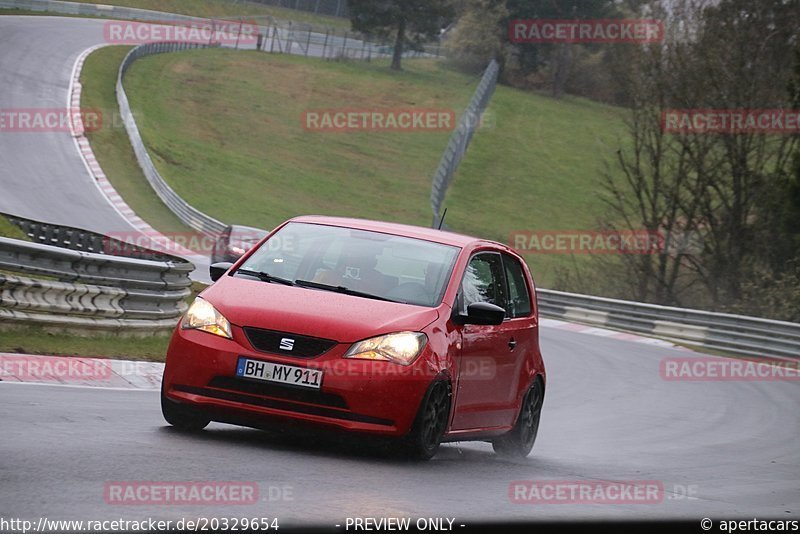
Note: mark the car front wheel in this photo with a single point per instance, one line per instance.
(429, 427)
(182, 417)
(519, 441)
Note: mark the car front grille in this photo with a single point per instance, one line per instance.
(287, 344)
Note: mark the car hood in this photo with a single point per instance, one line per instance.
(313, 312)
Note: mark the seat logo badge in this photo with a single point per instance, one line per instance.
(287, 343)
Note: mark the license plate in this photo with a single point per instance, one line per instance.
(277, 372)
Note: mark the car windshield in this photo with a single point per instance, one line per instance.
(386, 266)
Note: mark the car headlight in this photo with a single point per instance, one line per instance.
(203, 316)
(402, 348)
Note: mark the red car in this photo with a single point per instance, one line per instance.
(384, 329)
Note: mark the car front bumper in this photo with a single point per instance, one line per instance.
(356, 395)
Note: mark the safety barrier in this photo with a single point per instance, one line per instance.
(62, 284)
(737, 334)
(461, 137)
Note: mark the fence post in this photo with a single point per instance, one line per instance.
(308, 41)
(344, 45)
(325, 46)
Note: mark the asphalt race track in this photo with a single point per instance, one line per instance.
(608, 415)
(42, 175)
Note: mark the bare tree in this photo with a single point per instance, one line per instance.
(650, 184)
(724, 56)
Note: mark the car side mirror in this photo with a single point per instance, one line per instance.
(483, 313)
(216, 270)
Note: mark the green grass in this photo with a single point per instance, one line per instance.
(538, 168)
(9, 230)
(224, 130)
(33, 340)
(111, 145)
(216, 9)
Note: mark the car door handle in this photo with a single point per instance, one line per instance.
(512, 343)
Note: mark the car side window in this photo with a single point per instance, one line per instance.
(484, 281)
(519, 299)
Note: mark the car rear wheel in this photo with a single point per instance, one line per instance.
(519, 442)
(182, 417)
(430, 424)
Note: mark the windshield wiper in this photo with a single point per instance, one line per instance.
(265, 277)
(340, 289)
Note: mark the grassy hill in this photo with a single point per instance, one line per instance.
(224, 129)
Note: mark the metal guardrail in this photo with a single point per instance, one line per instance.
(187, 213)
(63, 280)
(737, 334)
(83, 240)
(461, 137)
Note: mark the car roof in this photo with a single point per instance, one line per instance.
(407, 230)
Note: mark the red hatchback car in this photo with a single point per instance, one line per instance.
(379, 328)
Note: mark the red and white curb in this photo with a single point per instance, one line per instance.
(605, 332)
(159, 241)
(80, 372)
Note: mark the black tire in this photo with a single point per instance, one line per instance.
(518, 443)
(429, 427)
(182, 417)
